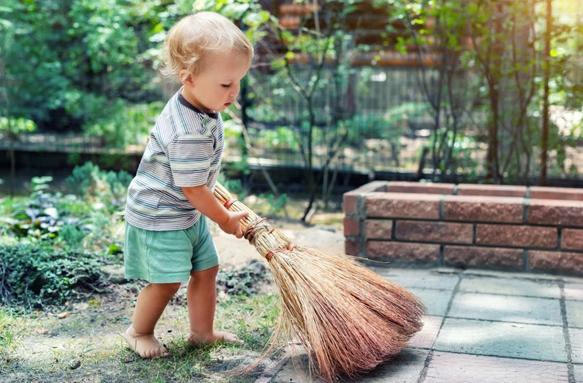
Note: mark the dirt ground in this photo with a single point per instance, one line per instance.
(235, 252)
(84, 343)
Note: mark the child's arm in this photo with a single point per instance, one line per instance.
(203, 200)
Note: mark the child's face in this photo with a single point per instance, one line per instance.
(216, 87)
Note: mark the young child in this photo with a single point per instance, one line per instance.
(167, 240)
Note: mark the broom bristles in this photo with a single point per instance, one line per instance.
(348, 318)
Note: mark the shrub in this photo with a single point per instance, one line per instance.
(108, 187)
(37, 275)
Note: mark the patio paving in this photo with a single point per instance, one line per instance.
(481, 327)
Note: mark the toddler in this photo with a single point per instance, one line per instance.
(167, 241)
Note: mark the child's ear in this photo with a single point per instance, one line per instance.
(186, 78)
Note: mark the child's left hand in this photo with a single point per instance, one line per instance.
(233, 224)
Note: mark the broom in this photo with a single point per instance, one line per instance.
(348, 318)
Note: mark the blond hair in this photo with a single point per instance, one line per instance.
(194, 37)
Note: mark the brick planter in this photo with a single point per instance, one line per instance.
(518, 228)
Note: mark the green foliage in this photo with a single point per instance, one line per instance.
(275, 204)
(108, 187)
(79, 62)
(36, 218)
(37, 275)
(84, 222)
(16, 126)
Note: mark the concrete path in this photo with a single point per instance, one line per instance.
(481, 327)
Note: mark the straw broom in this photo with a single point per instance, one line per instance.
(348, 318)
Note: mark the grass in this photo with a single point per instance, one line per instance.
(91, 334)
(91, 337)
(12, 328)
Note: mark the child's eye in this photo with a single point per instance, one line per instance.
(225, 85)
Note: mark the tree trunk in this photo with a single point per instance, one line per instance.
(545, 117)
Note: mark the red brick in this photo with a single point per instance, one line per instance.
(554, 212)
(555, 261)
(400, 205)
(492, 190)
(351, 227)
(440, 232)
(350, 199)
(543, 192)
(350, 203)
(514, 235)
(375, 228)
(414, 252)
(572, 239)
(352, 248)
(420, 188)
(483, 256)
(483, 209)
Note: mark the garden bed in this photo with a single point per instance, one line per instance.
(517, 228)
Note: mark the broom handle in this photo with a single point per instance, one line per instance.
(266, 239)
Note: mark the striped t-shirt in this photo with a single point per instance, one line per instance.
(184, 150)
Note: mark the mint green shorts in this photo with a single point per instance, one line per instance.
(168, 256)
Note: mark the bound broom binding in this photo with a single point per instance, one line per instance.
(348, 318)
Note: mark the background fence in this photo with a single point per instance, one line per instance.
(383, 112)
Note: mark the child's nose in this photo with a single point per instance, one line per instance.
(235, 91)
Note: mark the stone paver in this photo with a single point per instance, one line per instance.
(426, 337)
(576, 336)
(507, 308)
(529, 288)
(513, 340)
(423, 279)
(574, 313)
(482, 327)
(574, 291)
(578, 370)
(405, 368)
(436, 301)
(455, 368)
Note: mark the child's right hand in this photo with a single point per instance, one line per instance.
(233, 226)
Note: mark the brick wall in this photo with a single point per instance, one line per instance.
(518, 228)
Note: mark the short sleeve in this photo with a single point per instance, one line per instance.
(190, 158)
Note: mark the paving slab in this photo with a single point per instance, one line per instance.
(507, 286)
(423, 279)
(482, 327)
(404, 368)
(574, 291)
(426, 337)
(436, 301)
(574, 313)
(576, 337)
(578, 373)
(507, 308)
(515, 340)
(456, 368)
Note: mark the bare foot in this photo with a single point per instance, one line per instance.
(216, 337)
(146, 345)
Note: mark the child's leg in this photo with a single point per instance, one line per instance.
(149, 307)
(202, 297)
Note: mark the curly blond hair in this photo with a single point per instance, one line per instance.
(195, 37)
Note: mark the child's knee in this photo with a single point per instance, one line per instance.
(204, 275)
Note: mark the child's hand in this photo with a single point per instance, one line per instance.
(233, 226)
